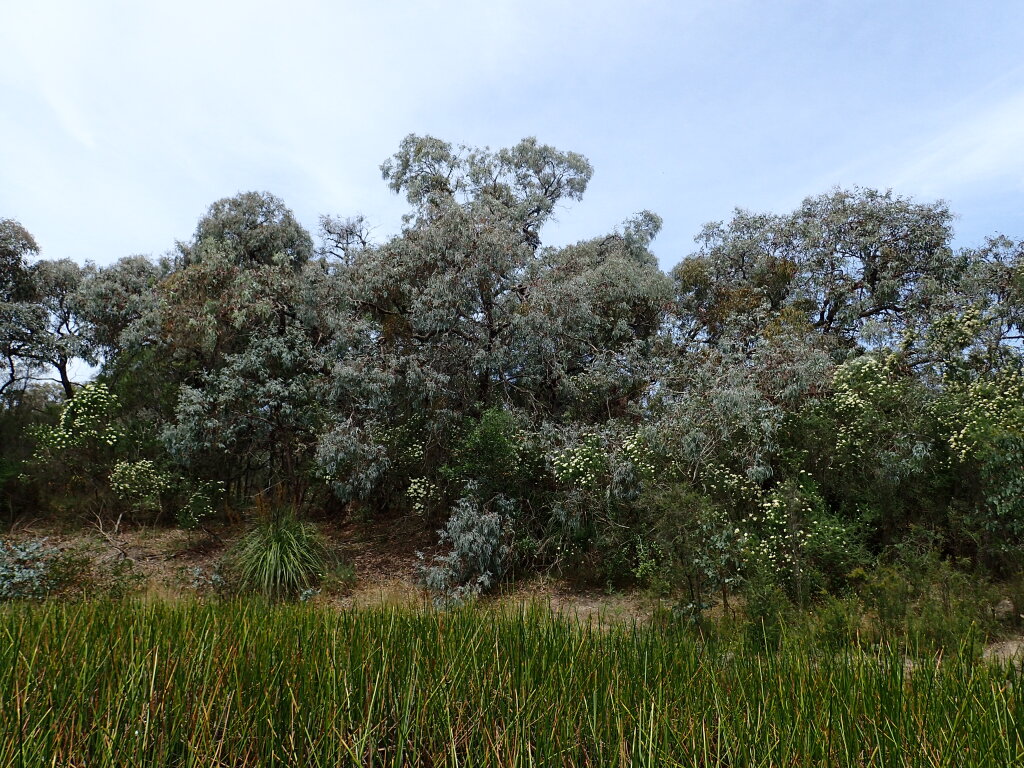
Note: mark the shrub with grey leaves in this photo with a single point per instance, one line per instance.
(477, 534)
(26, 569)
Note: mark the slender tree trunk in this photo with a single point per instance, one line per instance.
(62, 369)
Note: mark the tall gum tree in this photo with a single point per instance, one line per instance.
(465, 310)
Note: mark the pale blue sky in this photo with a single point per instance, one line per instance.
(123, 121)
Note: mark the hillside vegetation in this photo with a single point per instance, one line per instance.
(824, 404)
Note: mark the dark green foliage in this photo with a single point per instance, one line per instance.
(491, 456)
(202, 502)
(279, 557)
(685, 544)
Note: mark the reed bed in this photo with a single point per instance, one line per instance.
(252, 684)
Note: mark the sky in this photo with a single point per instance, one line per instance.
(121, 122)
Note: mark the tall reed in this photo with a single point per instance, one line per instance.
(255, 684)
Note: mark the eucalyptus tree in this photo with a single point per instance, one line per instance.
(42, 330)
(252, 228)
(863, 267)
(979, 325)
(465, 310)
(16, 245)
(241, 326)
(19, 315)
(65, 336)
(120, 303)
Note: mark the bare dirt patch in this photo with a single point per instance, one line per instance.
(383, 553)
(1005, 651)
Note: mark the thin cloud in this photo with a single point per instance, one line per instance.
(986, 147)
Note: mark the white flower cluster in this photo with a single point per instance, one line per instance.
(723, 480)
(422, 492)
(782, 538)
(85, 418)
(860, 388)
(139, 481)
(581, 465)
(956, 331)
(985, 408)
(400, 441)
(635, 450)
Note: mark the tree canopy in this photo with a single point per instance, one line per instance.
(803, 387)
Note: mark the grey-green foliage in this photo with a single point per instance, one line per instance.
(65, 337)
(19, 315)
(16, 244)
(727, 403)
(120, 303)
(260, 408)
(244, 319)
(26, 569)
(252, 228)
(979, 322)
(477, 540)
(858, 266)
(41, 325)
(465, 310)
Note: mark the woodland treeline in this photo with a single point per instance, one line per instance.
(802, 396)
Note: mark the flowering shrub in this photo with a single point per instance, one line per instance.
(790, 539)
(423, 494)
(73, 458)
(140, 483)
(864, 390)
(952, 332)
(777, 536)
(200, 504)
(635, 451)
(984, 425)
(582, 465)
(722, 482)
(85, 421)
(983, 411)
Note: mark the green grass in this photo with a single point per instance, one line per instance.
(280, 556)
(254, 684)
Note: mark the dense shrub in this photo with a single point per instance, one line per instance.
(802, 393)
(34, 569)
